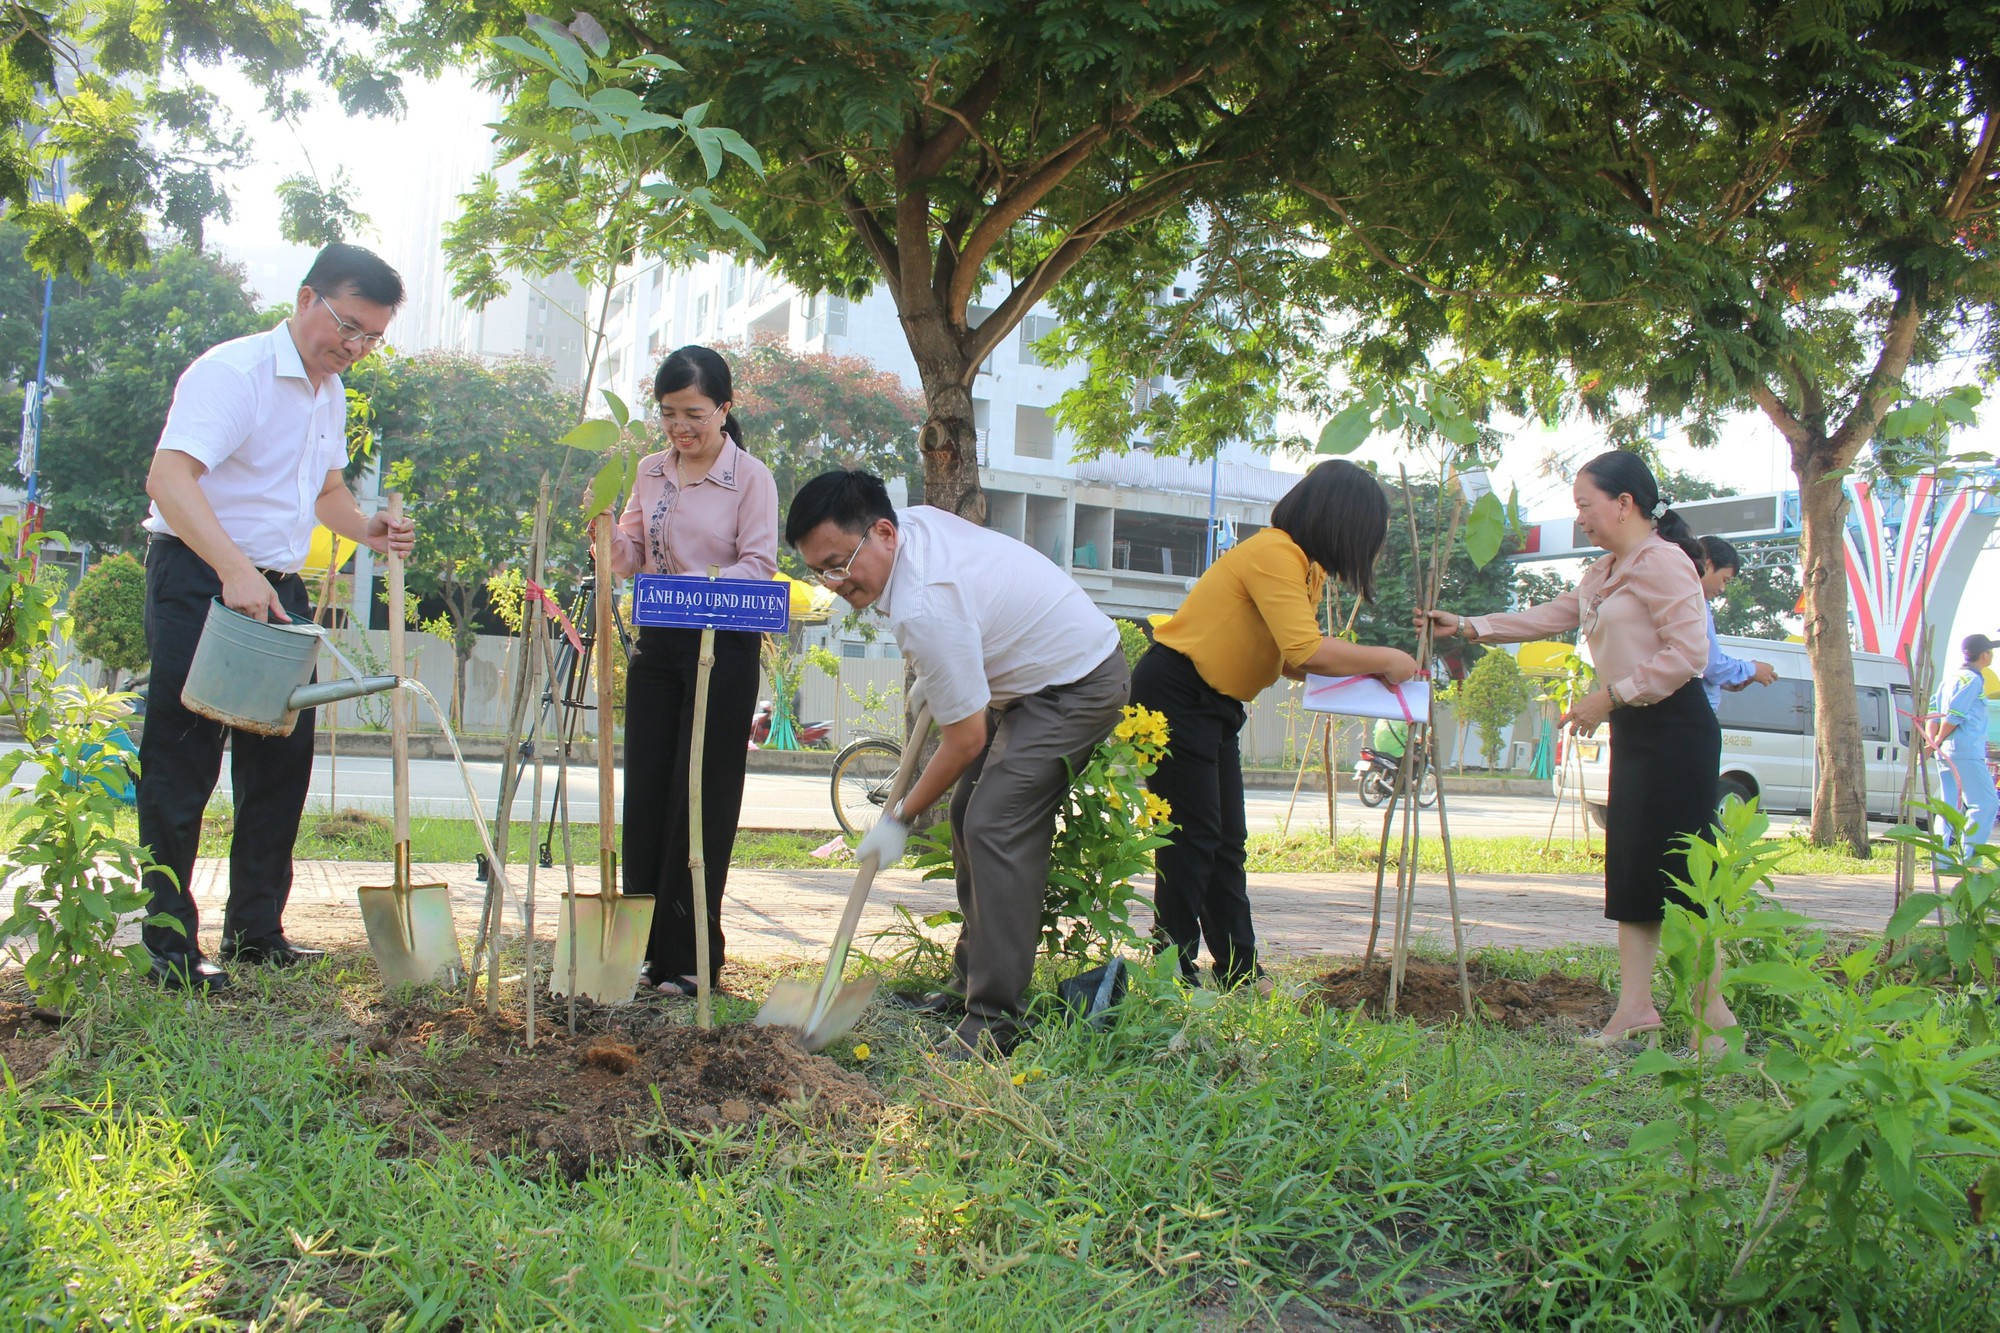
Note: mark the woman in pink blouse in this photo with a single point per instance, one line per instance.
(1641, 609)
(701, 501)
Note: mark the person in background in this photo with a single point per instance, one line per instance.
(1251, 617)
(1023, 676)
(1720, 564)
(1640, 606)
(1389, 738)
(701, 501)
(251, 457)
(1957, 735)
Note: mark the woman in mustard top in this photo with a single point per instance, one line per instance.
(1251, 618)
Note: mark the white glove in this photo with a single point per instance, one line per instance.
(885, 841)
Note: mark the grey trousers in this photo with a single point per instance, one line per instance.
(1003, 821)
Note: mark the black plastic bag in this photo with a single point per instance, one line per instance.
(1090, 995)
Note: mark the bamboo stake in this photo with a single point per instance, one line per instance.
(697, 855)
(531, 661)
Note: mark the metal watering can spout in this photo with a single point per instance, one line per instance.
(333, 691)
(257, 676)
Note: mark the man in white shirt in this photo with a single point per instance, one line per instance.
(251, 456)
(1023, 675)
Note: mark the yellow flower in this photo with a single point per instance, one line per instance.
(1019, 1079)
(1116, 799)
(1158, 808)
(861, 1051)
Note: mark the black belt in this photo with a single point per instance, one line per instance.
(272, 576)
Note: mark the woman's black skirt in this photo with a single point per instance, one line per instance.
(1664, 762)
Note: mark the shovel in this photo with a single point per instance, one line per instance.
(410, 930)
(609, 930)
(822, 1013)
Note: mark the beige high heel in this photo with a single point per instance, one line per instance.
(1605, 1041)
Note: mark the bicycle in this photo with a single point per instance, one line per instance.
(861, 775)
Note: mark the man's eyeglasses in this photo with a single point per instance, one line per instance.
(352, 334)
(835, 575)
(668, 416)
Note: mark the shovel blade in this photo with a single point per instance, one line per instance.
(842, 1012)
(611, 935)
(790, 1005)
(411, 933)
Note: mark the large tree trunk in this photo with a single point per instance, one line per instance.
(1840, 811)
(949, 442)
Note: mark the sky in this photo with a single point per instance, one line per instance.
(384, 158)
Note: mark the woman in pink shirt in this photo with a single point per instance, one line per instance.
(701, 501)
(1641, 608)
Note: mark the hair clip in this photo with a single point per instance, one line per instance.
(1660, 509)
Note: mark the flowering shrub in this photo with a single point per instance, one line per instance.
(1106, 832)
(1105, 835)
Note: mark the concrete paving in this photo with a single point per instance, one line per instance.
(771, 914)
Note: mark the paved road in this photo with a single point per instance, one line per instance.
(802, 801)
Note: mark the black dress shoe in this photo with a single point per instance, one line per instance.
(180, 969)
(982, 1039)
(936, 1003)
(279, 952)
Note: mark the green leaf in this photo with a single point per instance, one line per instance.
(1485, 530)
(1452, 422)
(619, 412)
(1914, 909)
(1346, 432)
(705, 144)
(1958, 410)
(563, 45)
(596, 435)
(528, 51)
(564, 94)
(736, 144)
(617, 101)
(605, 487)
(651, 61)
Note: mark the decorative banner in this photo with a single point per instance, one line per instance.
(1911, 565)
(1368, 696)
(683, 602)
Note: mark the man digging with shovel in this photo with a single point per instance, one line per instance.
(1024, 677)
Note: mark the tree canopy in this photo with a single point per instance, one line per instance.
(468, 443)
(115, 94)
(974, 157)
(117, 345)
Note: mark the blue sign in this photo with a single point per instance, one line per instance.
(678, 601)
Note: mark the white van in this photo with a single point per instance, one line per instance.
(1767, 734)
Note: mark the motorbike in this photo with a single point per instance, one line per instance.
(1375, 776)
(810, 735)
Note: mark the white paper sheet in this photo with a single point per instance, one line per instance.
(1367, 696)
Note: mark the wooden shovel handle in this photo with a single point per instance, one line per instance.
(399, 716)
(607, 644)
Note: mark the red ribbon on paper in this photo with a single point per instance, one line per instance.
(1395, 690)
(541, 594)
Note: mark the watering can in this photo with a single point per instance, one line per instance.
(257, 675)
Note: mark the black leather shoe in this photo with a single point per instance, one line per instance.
(279, 952)
(936, 1003)
(177, 969)
(982, 1039)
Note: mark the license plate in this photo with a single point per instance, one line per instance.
(1589, 751)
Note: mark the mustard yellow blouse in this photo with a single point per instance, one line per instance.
(1253, 612)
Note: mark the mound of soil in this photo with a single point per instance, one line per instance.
(1429, 994)
(615, 1090)
(29, 1039)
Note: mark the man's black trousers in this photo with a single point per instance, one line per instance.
(180, 757)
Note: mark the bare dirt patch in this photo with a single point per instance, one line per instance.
(1429, 994)
(30, 1038)
(620, 1088)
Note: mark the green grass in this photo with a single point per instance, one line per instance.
(197, 1164)
(1356, 851)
